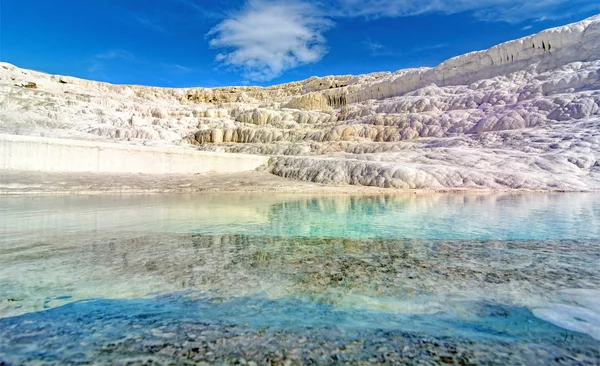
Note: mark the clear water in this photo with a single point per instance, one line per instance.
(329, 279)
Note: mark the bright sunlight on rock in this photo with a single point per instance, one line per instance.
(521, 115)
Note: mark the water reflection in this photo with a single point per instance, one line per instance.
(397, 275)
(470, 217)
(423, 261)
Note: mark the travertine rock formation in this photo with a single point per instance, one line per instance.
(523, 114)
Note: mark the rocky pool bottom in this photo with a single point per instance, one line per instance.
(266, 279)
(185, 329)
(135, 298)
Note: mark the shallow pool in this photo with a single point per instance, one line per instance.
(226, 278)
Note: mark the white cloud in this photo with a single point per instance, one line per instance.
(269, 37)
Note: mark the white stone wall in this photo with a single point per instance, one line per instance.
(60, 155)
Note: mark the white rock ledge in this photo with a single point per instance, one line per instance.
(61, 155)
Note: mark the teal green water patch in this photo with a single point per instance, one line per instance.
(441, 277)
(468, 217)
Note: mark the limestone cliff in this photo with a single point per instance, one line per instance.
(523, 114)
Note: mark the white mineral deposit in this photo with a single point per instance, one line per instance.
(524, 114)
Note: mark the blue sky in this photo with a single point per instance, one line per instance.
(184, 43)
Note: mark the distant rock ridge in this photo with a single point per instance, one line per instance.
(545, 50)
(524, 114)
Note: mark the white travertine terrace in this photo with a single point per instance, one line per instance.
(61, 155)
(521, 115)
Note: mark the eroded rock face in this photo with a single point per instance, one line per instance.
(523, 114)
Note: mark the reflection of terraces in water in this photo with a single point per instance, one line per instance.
(518, 216)
(439, 216)
(420, 276)
(439, 278)
(457, 250)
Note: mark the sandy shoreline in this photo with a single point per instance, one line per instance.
(33, 183)
(47, 183)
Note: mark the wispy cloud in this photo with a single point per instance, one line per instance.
(115, 54)
(527, 27)
(99, 60)
(95, 68)
(376, 49)
(191, 4)
(207, 12)
(511, 11)
(187, 14)
(426, 48)
(151, 24)
(268, 37)
(178, 69)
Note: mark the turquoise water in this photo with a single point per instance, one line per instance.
(330, 279)
(468, 217)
